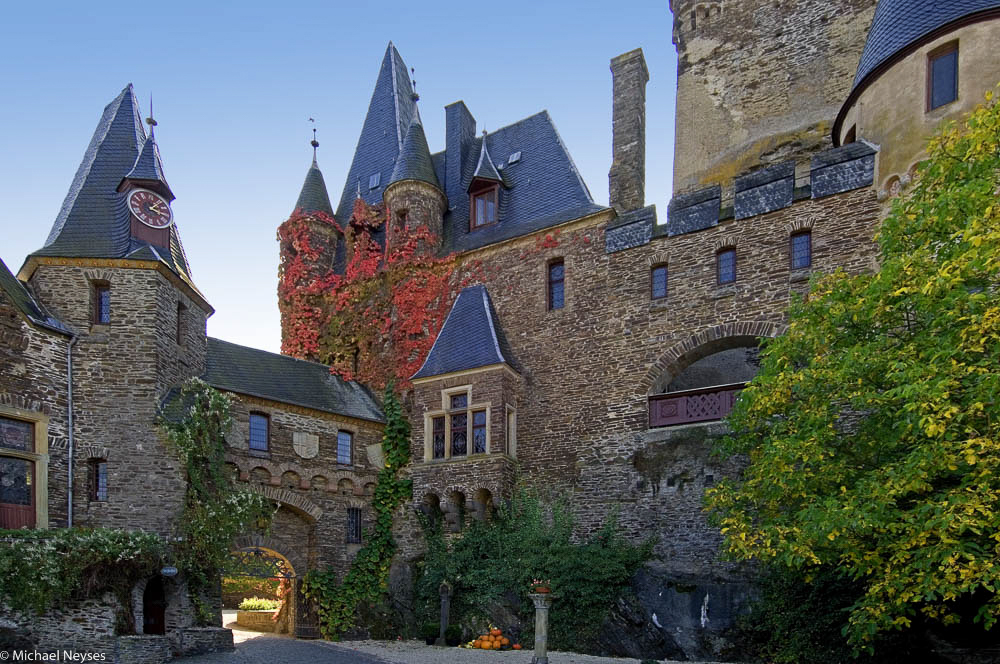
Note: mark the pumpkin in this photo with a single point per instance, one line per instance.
(504, 641)
(495, 632)
(517, 646)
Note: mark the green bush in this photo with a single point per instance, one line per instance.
(245, 585)
(494, 562)
(259, 604)
(430, 630)
(453, 633)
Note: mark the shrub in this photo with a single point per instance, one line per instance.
(259, 604)
(430, 630)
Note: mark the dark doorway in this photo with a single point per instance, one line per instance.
(154, 607)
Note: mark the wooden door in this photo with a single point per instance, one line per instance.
(17, 493)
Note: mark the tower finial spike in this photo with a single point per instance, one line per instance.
(314, 143)
(150, 121)
(413, 84)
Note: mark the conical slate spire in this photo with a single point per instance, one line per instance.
(390, 112)
(94, 221)
(314, 197)
(485, 168)
(414, 161)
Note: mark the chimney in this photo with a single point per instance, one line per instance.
(627, 177)
(460, 134)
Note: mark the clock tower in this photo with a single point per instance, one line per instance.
(148, 195)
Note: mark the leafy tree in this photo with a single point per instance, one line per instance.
(873, 428)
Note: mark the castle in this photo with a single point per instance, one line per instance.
(595, 351)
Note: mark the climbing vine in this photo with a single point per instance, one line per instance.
(215, 511)
(367, 580)
(375, 319)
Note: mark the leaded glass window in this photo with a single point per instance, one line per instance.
(479, 432)
(438, 442)
(801, 250)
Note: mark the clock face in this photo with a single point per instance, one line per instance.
(150, 208)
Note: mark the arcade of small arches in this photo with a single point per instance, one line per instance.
(454, 507)
(293, 477)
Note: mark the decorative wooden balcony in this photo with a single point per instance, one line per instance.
(702, 405)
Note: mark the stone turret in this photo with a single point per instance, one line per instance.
(413, 196)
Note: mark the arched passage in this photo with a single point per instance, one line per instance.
(699, 378)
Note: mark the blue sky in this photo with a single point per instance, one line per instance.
(233, 86)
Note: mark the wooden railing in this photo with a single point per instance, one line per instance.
(701, 405)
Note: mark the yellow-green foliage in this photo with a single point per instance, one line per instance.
(873, 429)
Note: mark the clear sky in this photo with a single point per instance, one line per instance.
(233, 86)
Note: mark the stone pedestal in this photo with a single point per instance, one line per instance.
(543, 601)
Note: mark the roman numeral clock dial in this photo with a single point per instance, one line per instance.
(150, 208)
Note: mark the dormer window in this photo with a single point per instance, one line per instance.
(483, 207)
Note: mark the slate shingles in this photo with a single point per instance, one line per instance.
(899, 23)
(471, 337)
(314, 196)
(27, 304)
(284, 379)
(414, 161)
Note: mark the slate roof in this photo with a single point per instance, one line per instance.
(393, 106)
(414, 160)
(542, 189)
(149, 165)
(314, 196)
(900, 23)
(485, 168)
(94, 221)
(284, 379)
(471, 337)
(27, 304)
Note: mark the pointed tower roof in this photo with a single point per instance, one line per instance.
(485, 168)
(148, 167)
(94, 221)
(390, 112)
(414, 161)
(314, 196)
(471, 337)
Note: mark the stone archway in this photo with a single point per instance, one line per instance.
(702, 344)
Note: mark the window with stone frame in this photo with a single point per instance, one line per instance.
(101, 303)
(459, 429)
(556, 284)
(658, 282)
(18, 473)
(98, 481)
(345, 447)
(260, 433)
(800, 250)
(354, 525)
(725, 266)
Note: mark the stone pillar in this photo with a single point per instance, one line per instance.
(627, 177)
(543, 601)
(445, 591)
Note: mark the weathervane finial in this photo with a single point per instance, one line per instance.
(413, 84)
(150, 121)
(314, 143)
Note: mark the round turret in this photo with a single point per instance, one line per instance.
(924, 62)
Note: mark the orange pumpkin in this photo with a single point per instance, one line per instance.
(517, 646)
(496, 631)
(504, 641)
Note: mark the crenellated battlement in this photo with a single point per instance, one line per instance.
(756, 192)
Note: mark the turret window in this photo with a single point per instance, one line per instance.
(658, 282)
(942, 76)
(484, 207)
(801, 250)
(557, 284)
(102, 303)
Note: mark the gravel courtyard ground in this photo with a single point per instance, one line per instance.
(262, 648)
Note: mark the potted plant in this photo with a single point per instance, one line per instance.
(540, 586)
(453, 635)
(429, 632)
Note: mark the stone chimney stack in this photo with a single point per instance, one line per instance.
(627, 177)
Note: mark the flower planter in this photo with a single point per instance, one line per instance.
(541, 589)
(258, 621)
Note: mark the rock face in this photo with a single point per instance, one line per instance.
(672, 617)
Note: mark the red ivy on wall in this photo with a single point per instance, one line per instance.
(377, 320)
